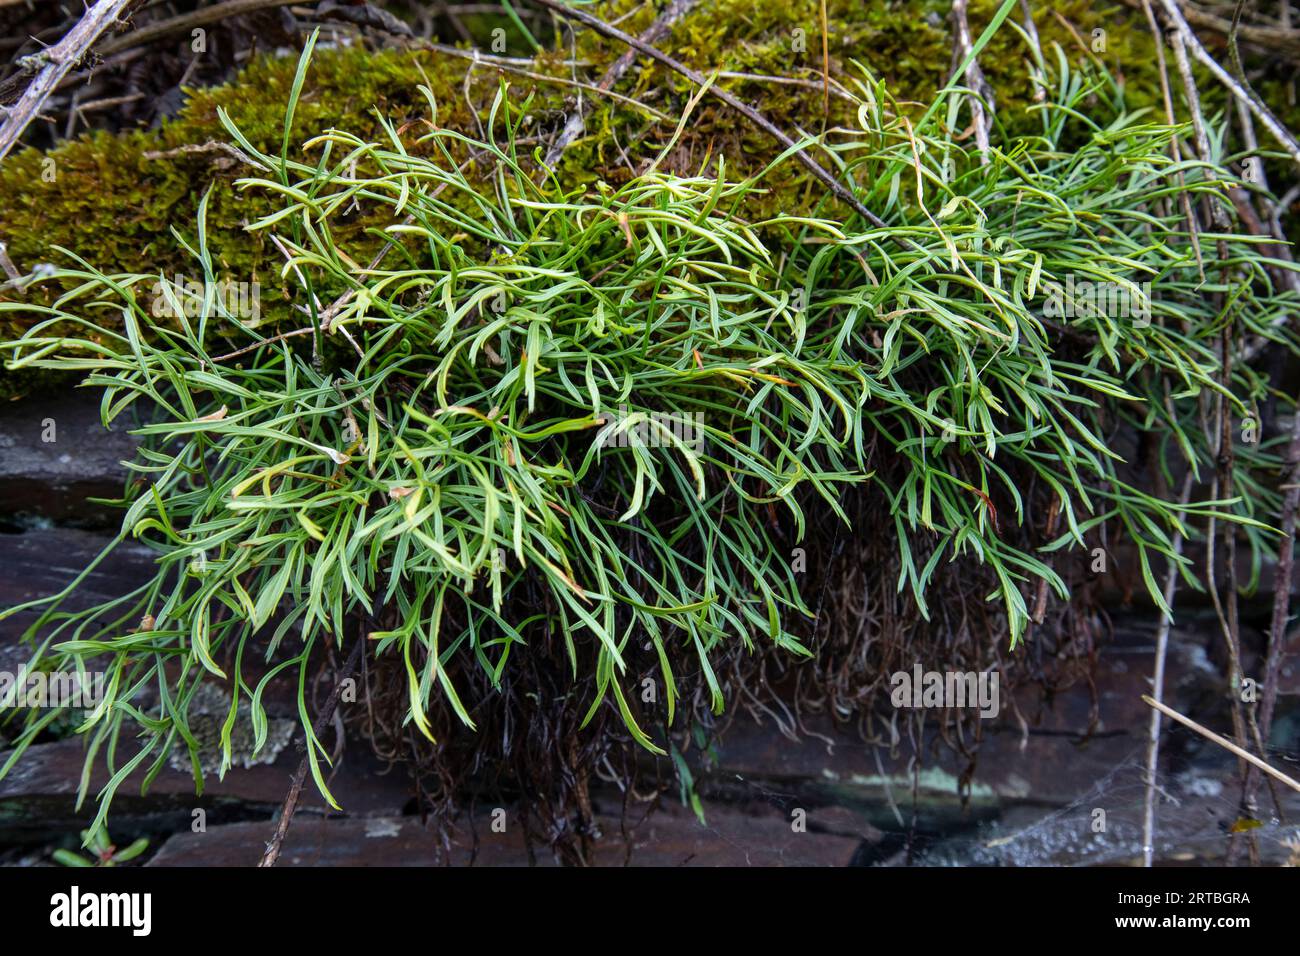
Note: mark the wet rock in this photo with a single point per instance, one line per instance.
(38, 797)
(54, 454)
(669, 837)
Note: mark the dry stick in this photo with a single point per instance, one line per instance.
(185, 22)
(290, 805)
(9, 88)
(58, 60)
(974, 79)
(1218, 215)
(1030, 27)
(209, 147)
(1036, 72)
(510, 67)
(1084, 47)
(1260, 177)
(1222, 422)
(837, 89)
(1189, 215)
(457, 24)
(1278, 38)
(1281, 600)
(1223, 742)
(7, 264)
(1251, 784)
(840, 191)
(1224, 450)
(1158, 687)
(1261, 722)
(1262, 112)
(826, 62)
(1241, 199)
(1040, 599)
(575, 124)
(205, 16)
(261, 342)
(1221, 486)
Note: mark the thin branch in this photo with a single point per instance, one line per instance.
(974, 79)
(1158, 686)
(199, 148)
(290, 805)
(826, 62)
(1262, 112)
(55, 64)
(1223, 742)
(575, 124)
(185, 22)
(840, 191)
(1218, 215)
(1278, 38)
(1189, 215)
(7, 264)
(837, 89)
(261, 342)
(1277, 633)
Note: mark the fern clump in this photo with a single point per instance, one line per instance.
(599, 417)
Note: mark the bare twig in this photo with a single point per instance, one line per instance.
(1223, 742)
(185, 22)
(55, 63)
(574, 125)
(1262, 112)
(974, 79)
(261, 342)
(837, 89)
(511, 65)
(366, 16)
(1031, 29)
(1218, 215)
(1279, 38)
(199, 148)
(1036, 72)
(841, 192)
(1277, 634)
(826, 62)
(7, 264)
(1158, 688)
(1040, 599)
(1225, 607)
(1189, 215)
(290, 805)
